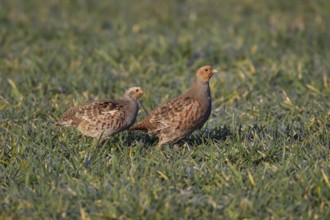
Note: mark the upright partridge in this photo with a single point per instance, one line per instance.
(104, 118)
(179, 117)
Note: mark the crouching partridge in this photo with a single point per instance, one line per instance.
(179, 117)
(101, 119)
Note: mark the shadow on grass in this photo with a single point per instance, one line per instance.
(253, 136)
(195, 139)
(204, 136)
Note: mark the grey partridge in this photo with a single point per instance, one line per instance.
(179, 117)
(104, 118)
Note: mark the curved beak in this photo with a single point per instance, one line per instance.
(212, 72)
(141, 93)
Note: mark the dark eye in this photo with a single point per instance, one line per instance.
(206, 70)
(136, 90)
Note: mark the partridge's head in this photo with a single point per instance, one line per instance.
(134, 93)
(205, 73)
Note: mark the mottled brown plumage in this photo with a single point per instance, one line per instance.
(180, 116)
(104, 118)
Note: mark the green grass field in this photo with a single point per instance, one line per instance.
(264, 153)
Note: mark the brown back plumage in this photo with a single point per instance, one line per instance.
(180, 116)
(104, 117)
(90, 112)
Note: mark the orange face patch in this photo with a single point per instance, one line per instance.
(205, 73)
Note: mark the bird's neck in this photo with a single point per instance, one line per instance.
(131, 103)
(200, 89)
(128, 98)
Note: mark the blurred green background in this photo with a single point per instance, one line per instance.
(264, 152)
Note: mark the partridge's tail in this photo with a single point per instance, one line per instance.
(139, 127)
(60, 124)
(57, 124)
(64, 123)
